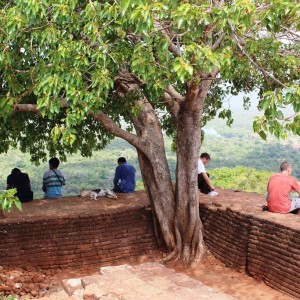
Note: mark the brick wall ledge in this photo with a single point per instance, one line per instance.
(265, 245)
(77, 231)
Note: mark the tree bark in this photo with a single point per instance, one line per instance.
(188, 226)
(156, 174)
(152, 160)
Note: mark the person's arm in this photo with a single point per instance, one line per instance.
(63, 179)
(8, 183)
(117, 176)
(44, 187)
(28, 182)
(207, 181)
(298, 190)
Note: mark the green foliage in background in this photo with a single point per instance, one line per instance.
(241, 149)
(139, 185)
(241, 178)
(228, 146)
(8, 200)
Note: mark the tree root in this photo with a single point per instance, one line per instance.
(171, 256)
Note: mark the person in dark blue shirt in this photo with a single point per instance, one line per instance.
(21, 182)
(124, 180)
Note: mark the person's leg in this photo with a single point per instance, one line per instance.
(116, 189)
(295, 203)
(202, 185)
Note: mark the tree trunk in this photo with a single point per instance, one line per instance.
(188, 226)
(156, 174)
(152, 159)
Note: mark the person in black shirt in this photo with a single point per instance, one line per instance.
(21, 182)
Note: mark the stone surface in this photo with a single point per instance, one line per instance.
(126, 283)
(93, 292)
(87, 280)
(72, 285)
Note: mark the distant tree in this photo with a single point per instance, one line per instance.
(241, 178)
(82, 66)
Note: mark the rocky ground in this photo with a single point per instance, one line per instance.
(29, 282)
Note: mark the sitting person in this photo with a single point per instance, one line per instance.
(279, 187)
(53, 180)
(124, 180)
(204, 184)
(21, 182)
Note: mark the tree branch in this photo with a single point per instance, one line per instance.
(172, 47)
(26, 108)
(206, 82)
(265, 73)
(217, 42)
(172, 99)
(111, 126)
(101, 117)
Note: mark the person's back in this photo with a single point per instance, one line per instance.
(125, 173)
(21, 182)
(279, 188)
(53, 180)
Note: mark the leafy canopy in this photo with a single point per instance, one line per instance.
(64, 56)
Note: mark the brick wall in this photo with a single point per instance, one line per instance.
(226, 235)
(266, 250)
(263, 248)
(76, 241)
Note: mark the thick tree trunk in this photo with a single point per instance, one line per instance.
(152, 159)
(156, 174)
(188, 226)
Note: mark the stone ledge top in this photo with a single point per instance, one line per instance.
(68, 207)
(246, 204)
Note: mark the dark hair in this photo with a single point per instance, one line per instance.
(121, 160)
(285, 166)
(15, 170)
(54, 162)
(205, 155)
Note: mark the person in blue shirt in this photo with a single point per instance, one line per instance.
(124, 180)
(53, 180)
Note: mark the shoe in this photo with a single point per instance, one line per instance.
(213, 194)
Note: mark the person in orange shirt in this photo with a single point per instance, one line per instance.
(279, 188)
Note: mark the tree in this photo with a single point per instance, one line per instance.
(81, 66)
(241, 178)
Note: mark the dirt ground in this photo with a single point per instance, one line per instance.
(212, 273)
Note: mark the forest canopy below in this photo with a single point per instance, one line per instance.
(241, 160)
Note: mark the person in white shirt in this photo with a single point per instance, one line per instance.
(204, 184)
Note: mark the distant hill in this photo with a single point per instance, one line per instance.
(238, 145)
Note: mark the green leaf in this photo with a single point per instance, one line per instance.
(263, 135)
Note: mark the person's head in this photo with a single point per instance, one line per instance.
(121, 160)
(15, 171)
(53, 163)
(286, 168)
(205, 157)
